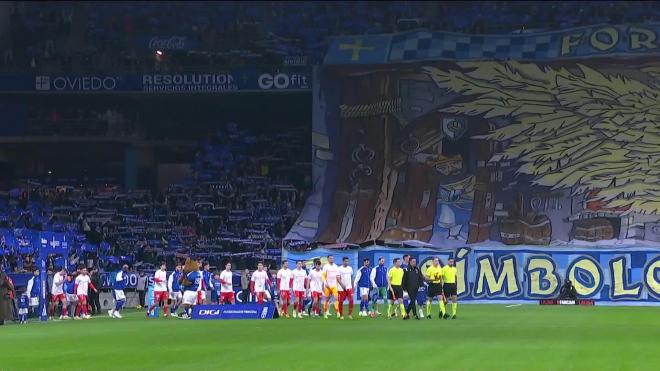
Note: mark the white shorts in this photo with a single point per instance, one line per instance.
(34, 302)
(190, 297)
(203, 295)
(364, 291)
(176, 295)
(71, 298)
(267, 295)
(119, 295)
(23, 311)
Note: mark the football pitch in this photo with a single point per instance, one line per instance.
(483, 337)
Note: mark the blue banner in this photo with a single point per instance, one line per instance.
(235, 80)
(591, 41)
(238, 311)
(107, 277)
(20, 279)
(527, 273)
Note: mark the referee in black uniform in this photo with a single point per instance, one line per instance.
(412, 281)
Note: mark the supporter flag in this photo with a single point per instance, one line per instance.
(88, 247)
(26, 250)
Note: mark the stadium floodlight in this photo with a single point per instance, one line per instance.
(159, 53)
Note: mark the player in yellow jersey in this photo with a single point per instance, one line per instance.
(434, 278)
(394, 285)
(449, 287)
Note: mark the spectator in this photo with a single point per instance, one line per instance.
(6, 293)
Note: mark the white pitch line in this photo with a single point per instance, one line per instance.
(513, 305)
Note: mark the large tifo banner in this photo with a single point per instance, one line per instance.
(280, 79)
(547, 152)
(528, 273)
(590, 41)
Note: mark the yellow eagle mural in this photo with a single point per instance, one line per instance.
(571, 128)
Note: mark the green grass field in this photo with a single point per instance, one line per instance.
(484, 337)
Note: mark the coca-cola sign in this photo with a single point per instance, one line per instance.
(169, 43)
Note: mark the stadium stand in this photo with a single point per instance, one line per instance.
(123, 36)
(239, 203)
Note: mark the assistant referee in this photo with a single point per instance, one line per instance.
(449, 287)
(394, 281)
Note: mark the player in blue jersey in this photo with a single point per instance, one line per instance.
(207, 285)
(174, 287)
(121, 280)
(190, 290)
(379, 277)
(364, 284)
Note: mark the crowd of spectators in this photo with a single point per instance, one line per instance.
(122, 36)
(243, 196)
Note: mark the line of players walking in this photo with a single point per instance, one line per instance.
(311, 293)
(335, 284)
(307, 293)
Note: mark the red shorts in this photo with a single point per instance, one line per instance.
(317, 295)
(58, 297)
(227, 297)
(285, 295)
(347, 294)
(299, 294)
(160, 296)
(82, 298)
(260, 297)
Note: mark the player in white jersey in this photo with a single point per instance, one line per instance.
(226, 286)
(57, 294)
(330, 274)
(81, 287)
(284, 282)
(160, 291)
(315, 285)
(258, 283)
(299, 284)
(345, 281)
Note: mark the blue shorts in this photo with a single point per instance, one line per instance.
(421, 296)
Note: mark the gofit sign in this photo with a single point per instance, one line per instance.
(283, 81)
